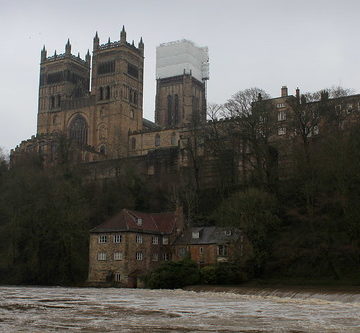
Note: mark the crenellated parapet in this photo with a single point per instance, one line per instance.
(116, 44)
(66, 55)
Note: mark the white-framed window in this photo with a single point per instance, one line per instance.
(195, 234)
(118, 256)
(101, 256)
(338, 107)
(222, 250)
(166, 256)
(201, 250)
(155, 257)
(281, 115)
(102, 239)
(139, 221)
(281, 130)
(139, 256)
(349, 108)
(117, 277)
(139, 239)
(182, 251)
(315, 130)
(165, 240)
(280, 105)
(117, 238)
(155, 240)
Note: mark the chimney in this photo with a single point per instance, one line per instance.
(297, 94)
(179, 218)
(284, 91)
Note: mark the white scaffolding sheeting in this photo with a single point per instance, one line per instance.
(179, 57)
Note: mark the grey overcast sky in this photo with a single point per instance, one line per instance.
(310, 44)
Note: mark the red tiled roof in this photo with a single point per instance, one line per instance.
(126, 220)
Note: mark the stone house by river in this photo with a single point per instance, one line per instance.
(132, 243)
(210, 245)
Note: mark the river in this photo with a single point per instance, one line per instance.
(49, 309)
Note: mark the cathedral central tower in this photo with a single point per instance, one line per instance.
(182, 70)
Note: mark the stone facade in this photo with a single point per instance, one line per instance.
(180, 101)
(212, 245)
(131, 244)
(100, 115)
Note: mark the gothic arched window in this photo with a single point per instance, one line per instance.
(101, 91)
(52, 102)
(176, 111)
(102, 150)
(78, 130)
(107, 92)
(169, 110)
(173, 139)
(157, 140)
(133, 143)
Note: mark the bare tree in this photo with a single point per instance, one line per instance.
(253, 119)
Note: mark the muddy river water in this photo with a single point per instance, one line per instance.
(49, 309)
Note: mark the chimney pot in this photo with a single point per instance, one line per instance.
(284, 91)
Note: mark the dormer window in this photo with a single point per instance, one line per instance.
(139, 221)
(195, 234)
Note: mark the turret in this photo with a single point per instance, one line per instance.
(96, 42)
(43, 54)
(141, 45)
(123, 35)
(88, 58)
(68, 47)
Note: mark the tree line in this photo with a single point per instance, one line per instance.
(295, 196)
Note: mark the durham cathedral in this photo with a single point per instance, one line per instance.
(97, 104)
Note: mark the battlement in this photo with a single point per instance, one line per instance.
(115, 44)
(66, 55)
(63, 56)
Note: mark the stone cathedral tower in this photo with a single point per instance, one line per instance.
(100, 116)
(182, 69)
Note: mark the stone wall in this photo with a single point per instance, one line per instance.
(129, 265)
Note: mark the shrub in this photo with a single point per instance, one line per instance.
(224, 273)
(173, 275)
(208, 275)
